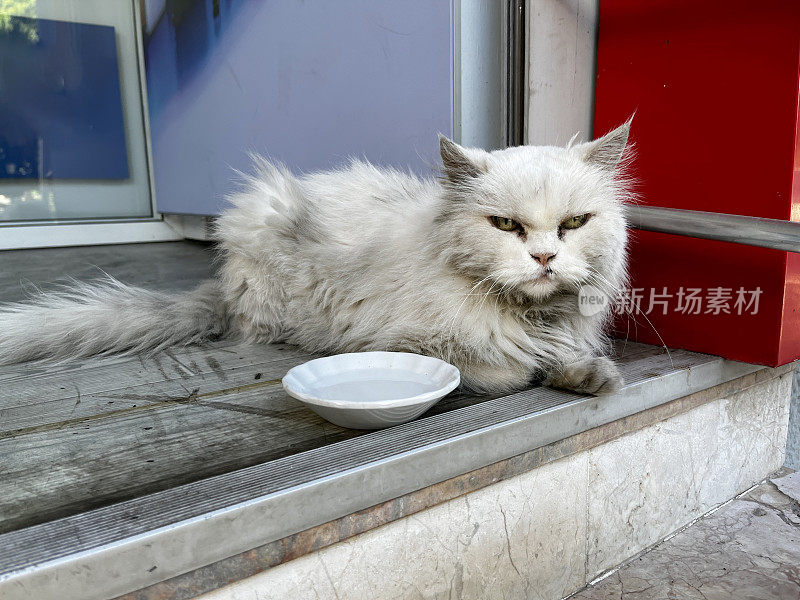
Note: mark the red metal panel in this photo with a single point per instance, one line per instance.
(714, 85)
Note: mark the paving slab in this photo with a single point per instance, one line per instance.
(749, 549)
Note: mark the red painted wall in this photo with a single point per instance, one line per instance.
(714, 85)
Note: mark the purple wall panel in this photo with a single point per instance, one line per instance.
(308, 83)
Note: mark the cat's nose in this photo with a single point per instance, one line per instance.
(543, 258)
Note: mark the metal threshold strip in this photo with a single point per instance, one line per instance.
(751, 231)
(127, 546)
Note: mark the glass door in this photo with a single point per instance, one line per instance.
(73, 145)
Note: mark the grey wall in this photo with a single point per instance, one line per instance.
(793, 443)
(479, 73)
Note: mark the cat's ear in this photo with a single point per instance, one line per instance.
(607, 151)
(459, 167)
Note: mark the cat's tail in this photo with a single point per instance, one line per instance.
(107, 317)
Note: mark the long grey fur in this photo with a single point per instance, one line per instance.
(108, 316)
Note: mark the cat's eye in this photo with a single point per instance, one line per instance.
(575, 222)
(505, 224)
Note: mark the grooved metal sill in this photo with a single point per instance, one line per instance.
(127, 546)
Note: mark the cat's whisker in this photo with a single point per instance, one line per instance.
(663, 345)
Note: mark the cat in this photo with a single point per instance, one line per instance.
(481, 267)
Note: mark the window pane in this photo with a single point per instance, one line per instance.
(72, 142)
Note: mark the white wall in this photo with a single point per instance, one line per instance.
(562, 47)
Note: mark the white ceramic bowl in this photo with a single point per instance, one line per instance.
(371, 390)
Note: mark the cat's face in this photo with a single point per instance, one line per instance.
(537, 220)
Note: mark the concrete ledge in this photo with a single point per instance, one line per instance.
(623, 486)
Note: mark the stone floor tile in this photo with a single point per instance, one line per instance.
(789, 485)
(747, 550)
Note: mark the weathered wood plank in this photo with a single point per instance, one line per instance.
(96, 373)
(162, 266)
(17, 420)
(52, 473)
(176, 434)
(179, 430)
(77, 391)
(80, 393)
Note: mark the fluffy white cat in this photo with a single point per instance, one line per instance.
(481, 268)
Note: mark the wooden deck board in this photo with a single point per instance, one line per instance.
(158, 440)
(68, 394)
(144, 425)
(85, 434)
(138, 427)
(164, 266)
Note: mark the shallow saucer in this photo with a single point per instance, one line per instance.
(371, 390)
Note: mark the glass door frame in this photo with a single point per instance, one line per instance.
(73, 232)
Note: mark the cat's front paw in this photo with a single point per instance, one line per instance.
(594, 375)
